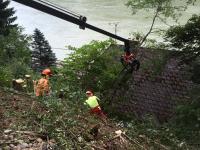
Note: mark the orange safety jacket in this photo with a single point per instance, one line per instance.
(42, 87)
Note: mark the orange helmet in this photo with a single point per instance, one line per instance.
(47, 72)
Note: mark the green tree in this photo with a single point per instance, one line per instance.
(186, 39)
(94, 66)
(163, 9)
(42, 55)
(15, 46)
(15, 56)
(6, 18)
(186, 123)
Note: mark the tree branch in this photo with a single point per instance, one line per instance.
(162, 20)
(150, 30)
(154, 18)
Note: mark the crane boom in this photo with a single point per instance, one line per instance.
(59, 12)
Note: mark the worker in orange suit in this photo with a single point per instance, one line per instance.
(42, 86)
(129, 58)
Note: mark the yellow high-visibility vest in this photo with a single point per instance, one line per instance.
(92, 101)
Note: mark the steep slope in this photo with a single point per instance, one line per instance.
(29, 123)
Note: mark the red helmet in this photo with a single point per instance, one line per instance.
(47, 72)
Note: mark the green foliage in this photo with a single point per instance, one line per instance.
(186, 124)
(186, 39)
(151, 134)
(19, 69)
(14, 56)
(195, 71)
(42, 55)
(61, 122)
(191, 2)
(157, 65)
(162, 9)
(166, 8)
(148, 43)
(93, 66)
(13, 70)
(5, 76)
(6, 18)
(15, 47)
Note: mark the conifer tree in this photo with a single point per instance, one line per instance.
(6, 17)
(42, 55)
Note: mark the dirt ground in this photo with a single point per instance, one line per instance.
(15, 109)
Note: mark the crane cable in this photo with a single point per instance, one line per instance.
(59, 8)
(53, 5)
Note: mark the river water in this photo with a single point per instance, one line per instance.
(105, 14)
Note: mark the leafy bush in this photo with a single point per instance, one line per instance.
(19, 69)
(14, 56)
(195, 70)
(186, 39)
(5, 76)
(150, 133)
(186, 123)
(12, 71)
(15, 46)
(93, 66)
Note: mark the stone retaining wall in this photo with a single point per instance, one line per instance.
(154, 94)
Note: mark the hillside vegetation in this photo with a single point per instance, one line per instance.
(60, 120)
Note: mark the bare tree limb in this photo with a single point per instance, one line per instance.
(162, 20)
(151, 28)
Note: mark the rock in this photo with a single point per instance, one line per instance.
(51, 144)
(44, 146)
(6, 137)
(52, 141)
(35, 144)
(80, 139)
(31, 139)
(7, 131)
(12, 145)
(118, 132)
(39, 140)
(18, 147)
(20, 141)
(11, 137)
(7, 148)
(24, 145)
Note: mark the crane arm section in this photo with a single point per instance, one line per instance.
(61, 13)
